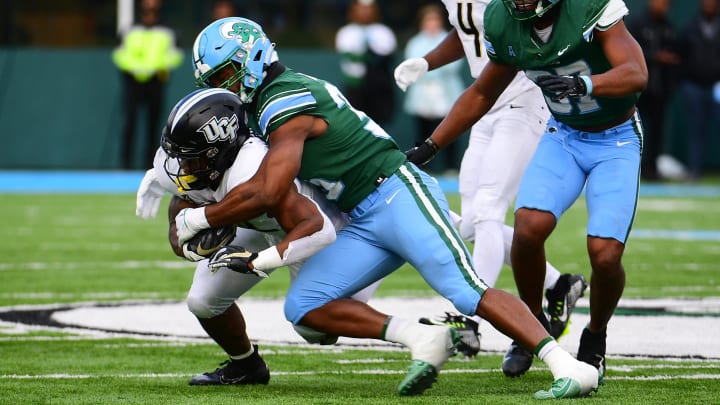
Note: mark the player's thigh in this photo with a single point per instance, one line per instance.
(514, 141)
(213, 291)
(612, 192)
(552, 180)
(341, 270)
(416, 227)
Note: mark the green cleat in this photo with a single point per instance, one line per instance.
(561, 388)
(421, 376)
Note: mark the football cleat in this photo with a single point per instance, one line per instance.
(429, 354)
(467, 328)
(517, 360)
(251, 370)
(592, 349)
(581, 381)
(561, 301)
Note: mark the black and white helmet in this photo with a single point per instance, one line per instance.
(203, 133)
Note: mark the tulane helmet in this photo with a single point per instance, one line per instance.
(239, 45)
(528, 9)
(202, 137)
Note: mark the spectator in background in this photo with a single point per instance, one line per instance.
(222, 9)
(145, 58)
(700, 81)
(658, 39)
(366, 49)
(442, 85)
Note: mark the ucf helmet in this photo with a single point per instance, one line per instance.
(236, 42)
(528, 9)
(202, 137)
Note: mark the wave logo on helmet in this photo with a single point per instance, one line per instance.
(223, 129)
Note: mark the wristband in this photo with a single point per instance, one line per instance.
(267, 259)
(429, 141)
(588, 84)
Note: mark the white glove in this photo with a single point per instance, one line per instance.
(149, 196)
(188, 222)
(409, 71)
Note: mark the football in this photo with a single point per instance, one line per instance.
(208, 241)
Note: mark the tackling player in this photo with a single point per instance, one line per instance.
(500, 147)
(397, 212)
(206, 151)
(591, 71)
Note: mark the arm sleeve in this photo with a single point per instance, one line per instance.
(301, 249)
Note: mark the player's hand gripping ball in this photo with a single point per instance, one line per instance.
(207, 242)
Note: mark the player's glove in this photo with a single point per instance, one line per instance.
(563, 86)
(236, 259)
(423, 153)
(188, 222)
(409, 71)
(149, 196)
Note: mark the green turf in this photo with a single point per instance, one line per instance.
(78, 248)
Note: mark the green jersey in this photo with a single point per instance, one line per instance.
(351, 158)
(570, 50)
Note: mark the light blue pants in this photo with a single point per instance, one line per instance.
(404, 220)
(606, 163)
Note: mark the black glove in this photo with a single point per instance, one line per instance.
(423, 153)
(237, 259)
(562, 86)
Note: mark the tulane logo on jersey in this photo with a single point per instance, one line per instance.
(223, 129)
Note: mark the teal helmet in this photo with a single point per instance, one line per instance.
(522, 10)
(236, 42)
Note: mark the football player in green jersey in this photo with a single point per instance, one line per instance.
(397, 212)
(591, 71)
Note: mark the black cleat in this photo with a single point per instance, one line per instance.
(517, 360)
(467, 328)
(561, 301)
(592, 349)
(251, 370)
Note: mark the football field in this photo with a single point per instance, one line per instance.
(92, 312)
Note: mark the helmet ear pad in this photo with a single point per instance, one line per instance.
(259, 57)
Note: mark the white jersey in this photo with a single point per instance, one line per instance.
(467, 18)
(243, 168)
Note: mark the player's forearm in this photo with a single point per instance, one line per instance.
(467, 110)
(619, 81)
(239, 205)
(447, 51)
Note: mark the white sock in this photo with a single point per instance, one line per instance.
(559, 361)
(398, 330)
(429, 343)
(552, 275)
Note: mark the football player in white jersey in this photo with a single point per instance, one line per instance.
(500, 147)
(206, 151)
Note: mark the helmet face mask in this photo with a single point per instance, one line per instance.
(202, 137)
(522, 10)
(237, 50)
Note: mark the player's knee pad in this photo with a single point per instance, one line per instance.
(205, 308)
(314, 336)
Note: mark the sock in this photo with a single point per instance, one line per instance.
(398, 330)
(559, 361)
(244, 355)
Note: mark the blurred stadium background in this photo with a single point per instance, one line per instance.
(60, 88)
